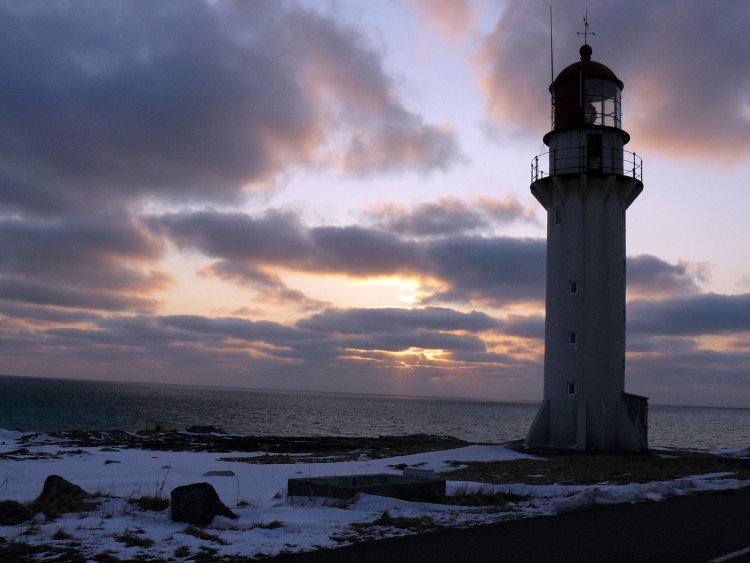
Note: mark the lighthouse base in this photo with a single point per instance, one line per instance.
(630, 432)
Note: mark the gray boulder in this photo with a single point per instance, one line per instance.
(197, 504)
(60, 496)
(57, 489)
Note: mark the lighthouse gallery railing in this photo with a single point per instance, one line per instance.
(575, 161)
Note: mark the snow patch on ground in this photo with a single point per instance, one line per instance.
(268, 522)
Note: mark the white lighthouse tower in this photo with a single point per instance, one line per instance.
(586, 187)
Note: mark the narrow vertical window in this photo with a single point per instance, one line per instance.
(556, 216)
(624, 267)
(623, 316)
(571, 386)
(573, 288)
(623, 219)
(572, 337)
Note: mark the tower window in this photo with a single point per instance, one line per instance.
(556, 216)
(572, 337)
(573, 288)
(571, 387)
(623, 219)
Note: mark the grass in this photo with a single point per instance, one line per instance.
(61, 535)
(572, 468)
(133, 540)
(13, 512)
(414, 524)
(272, 525)
(154, 503)
(203, 535)
(182, 552)
(22, 552)
(484, 496)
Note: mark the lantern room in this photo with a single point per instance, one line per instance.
(587, 135)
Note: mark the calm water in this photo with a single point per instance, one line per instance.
(48, 404)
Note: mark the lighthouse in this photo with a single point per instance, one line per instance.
(586, 182)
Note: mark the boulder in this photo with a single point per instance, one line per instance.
(59, 496)
(56, 489)
(197, 504)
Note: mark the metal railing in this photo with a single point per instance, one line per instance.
(575, 160)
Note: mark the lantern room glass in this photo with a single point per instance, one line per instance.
(602, 103)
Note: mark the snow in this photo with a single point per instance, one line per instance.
(257, 495)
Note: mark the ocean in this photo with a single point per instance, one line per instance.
(39, 404)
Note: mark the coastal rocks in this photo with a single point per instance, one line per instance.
(220, 473)
(198, 429)
(197, 504)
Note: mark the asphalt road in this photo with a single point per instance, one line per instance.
(701, 528)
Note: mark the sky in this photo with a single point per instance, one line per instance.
(334, 195)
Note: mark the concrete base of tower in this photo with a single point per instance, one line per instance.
(630, 432)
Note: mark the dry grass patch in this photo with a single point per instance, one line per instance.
(484, 496)
(573, 468)
(156, 503)
(132, 540)
(203, 535)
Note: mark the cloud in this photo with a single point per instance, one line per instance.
(703, 314)
(679, 370)
(671, 102)
(201, 101)
(106, 262)
(649, 276)
(451, 18)
(71, 297)
(449, 216)
(493, 270)
(364, 321)
(271, 288)
(490, 271)
(353, 349)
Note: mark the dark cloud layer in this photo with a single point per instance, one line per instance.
(449, 215)
(695, 315)
(107, 262)
(493, 270)
(649, 276)
(105, 103)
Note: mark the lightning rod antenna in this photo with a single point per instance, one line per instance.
(551, 67)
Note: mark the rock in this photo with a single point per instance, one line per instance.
(219, 473)
(57, 489)
(108, 461)
(198, 429)
(108, 449)
(197, 504)
(59, 496)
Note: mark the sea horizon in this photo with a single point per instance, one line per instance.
(337, 393)
(46, 404)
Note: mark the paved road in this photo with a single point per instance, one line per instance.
(698, 528)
